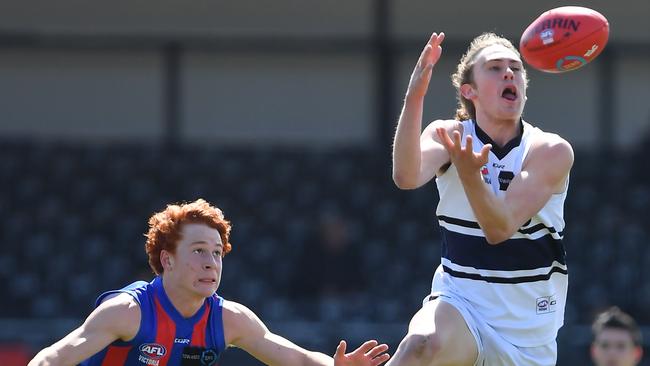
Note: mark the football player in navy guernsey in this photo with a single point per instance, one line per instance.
(499, 294)
(178, 319)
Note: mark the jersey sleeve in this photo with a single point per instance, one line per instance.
(136, 289)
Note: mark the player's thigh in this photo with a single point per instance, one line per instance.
(454, 341)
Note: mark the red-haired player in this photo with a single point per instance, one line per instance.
(177, 319)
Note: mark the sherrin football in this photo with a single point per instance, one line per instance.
(564, 39)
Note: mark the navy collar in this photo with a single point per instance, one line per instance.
(169, 308)
(499, 151)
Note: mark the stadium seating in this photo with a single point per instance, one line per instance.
(72, 219)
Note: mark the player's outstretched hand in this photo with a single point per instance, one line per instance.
(421, 75)
(464, 158)
(371, 353)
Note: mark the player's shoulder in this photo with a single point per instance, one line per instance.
(137, 290)
(240, 322)
(120, 304)
(119, 315)
(450, 125)
(548, 145)
(552, 143)
(235, 311)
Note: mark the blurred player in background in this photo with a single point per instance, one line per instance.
(617, 339)
(177, 319)
(498, 296)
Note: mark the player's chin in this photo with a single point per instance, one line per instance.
(509, 114)
(511, 109)
(207, 292)
(206, 289)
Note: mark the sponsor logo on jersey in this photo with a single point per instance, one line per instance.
(208, 357)
(181, 340)
(199, 356)
(505, 177)
(546, 304)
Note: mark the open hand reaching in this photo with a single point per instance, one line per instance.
(464, 158)
(421, 75)
(371, 353)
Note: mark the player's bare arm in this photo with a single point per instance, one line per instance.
(116, 318)
(543, 173)
(243, 329)
(416, 157)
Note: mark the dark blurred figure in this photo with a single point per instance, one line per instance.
(617, 339)
(330, 264)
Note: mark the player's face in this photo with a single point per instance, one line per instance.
(499, 89)
(197, 261)
(615, 347)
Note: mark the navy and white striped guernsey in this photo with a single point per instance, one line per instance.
(519, 286)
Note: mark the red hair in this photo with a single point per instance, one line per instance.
(165, 228)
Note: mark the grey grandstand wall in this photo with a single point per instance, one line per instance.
(298, 72)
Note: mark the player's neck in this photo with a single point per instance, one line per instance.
(500, 131)
(186, 304)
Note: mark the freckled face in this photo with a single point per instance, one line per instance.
(196, 263)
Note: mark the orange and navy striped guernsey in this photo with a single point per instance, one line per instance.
(165, 337)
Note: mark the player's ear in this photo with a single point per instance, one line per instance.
(166, 260)
(638, 353)
(592, 351)
(467, 91)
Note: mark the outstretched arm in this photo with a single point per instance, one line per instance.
(545, 172)
(116, 318)
(245, 330)
(417, 157)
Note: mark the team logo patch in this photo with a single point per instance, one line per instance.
(485, 173)
(153, 350)
(546, 304)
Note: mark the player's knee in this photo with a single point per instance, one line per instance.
(422, 346)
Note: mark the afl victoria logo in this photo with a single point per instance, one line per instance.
(153, 350)
(546, 304)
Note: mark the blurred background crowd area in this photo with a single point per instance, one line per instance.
(283, 117)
